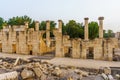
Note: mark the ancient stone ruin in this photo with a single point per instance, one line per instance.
(32, 69)
(30, 41)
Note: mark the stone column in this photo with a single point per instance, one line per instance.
(101, 27)
(48, 33)
(60, 26)
(26, 24)
(37, 25)
(86, 29)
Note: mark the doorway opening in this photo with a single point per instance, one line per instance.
(90, 53)
(30, 49)
(30, 52)
(0, 47)
(14, 48)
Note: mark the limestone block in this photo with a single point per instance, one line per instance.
(57, 71)
(104, 76)
(83, 55)
(75, 49)
(27, 74)
(110, 77)
(107, 70)
(37, 71)
(59, 48)
(17, 60)
(117, 76)
(98, 53)
(9, 76)
(84, 73)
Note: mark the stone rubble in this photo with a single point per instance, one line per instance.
(21, 69)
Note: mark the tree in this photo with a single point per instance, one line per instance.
(105, 34)
(52, 26)
(42, 25)
(20, 20)
(1, 23)
(110, 33)
(93, 30)
(63, 29)
(74, 30)
(32, 24)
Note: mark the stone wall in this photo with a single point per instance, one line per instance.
(98, 49)
(30, 41)
(21, 40)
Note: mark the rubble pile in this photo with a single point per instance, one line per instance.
(35, 69)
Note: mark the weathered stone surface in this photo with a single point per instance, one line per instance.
(43, 77)
(37, 71)
(9, 76)
(105, 77)
(117, 76)
(107, 70)
(46, 71)
(84, 73)
(57, 71)
(27, 74)
(110, 77)
(23, 40)
(16, 62)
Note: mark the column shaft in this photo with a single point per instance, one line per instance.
(60, 26)
(37, 26)
(48, 33)
(86, 29)
(101, 27)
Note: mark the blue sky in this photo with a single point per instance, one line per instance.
(65, 10)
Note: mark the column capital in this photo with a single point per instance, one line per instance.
(100, 18)
(26, 22)
(59, 20)
(36, 21)
(48, 21)
(86, 18)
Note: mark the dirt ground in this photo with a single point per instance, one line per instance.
(89, 63)
(84, 63)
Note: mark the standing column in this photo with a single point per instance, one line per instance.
(48, 33)
(26, 24)
(37, 25)
(60, 26)
(101, 27)
(86, 29)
